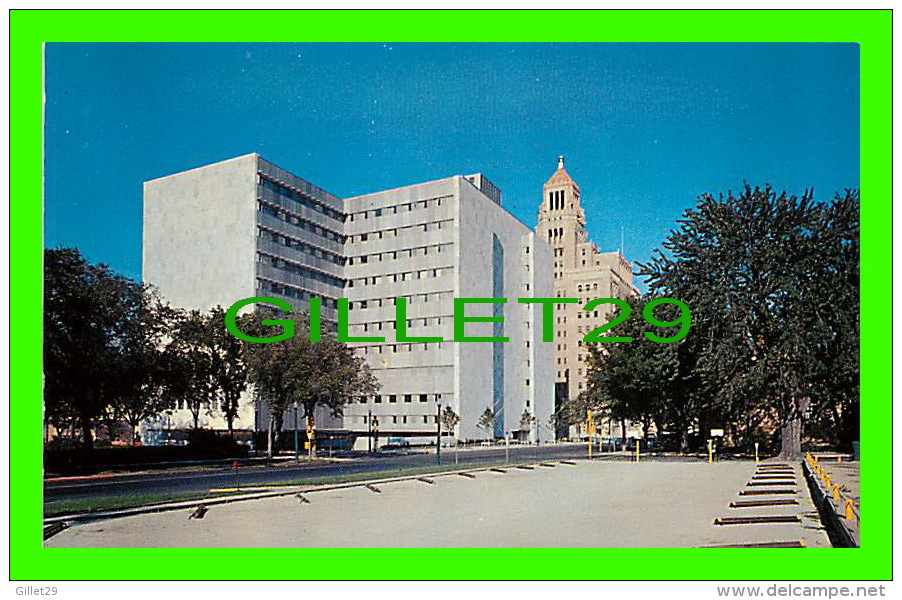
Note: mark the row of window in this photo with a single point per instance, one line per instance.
(398, 348)
(370, 236)
(556, 233)
(395, 348)
(395, 209)
(396, 419)
(396, 277)
(291, 291)
(296, 244)
(396, 254)
(390, 301)
(278, 212)
(299, 269)
(300, 198)
(556, 200)
(411, 323)
(393, 398)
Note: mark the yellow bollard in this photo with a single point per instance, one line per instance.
(827, 482)
(835, 492)
(710, 452)
(637, 449)
(839, 459)
(850, 514)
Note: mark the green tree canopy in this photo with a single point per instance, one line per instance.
(327, 373)
(772, 281)
(94, 321)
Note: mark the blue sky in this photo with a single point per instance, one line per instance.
(645, 128)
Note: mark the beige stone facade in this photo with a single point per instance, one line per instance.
(581, 271)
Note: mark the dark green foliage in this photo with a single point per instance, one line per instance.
(97, 327)
(772, 281)
(326, 373)
(487, 420)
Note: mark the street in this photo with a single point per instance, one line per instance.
(202, 480)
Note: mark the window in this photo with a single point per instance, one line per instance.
(377, 399)
(408, 398)
(392, 398)
(422, 397)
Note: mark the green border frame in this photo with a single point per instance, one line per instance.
(28, 31)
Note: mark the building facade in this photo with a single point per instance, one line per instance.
(429, 244)
(580, 270)
(244, 227)
(236, 229)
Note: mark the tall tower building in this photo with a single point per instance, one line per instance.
(581, 271)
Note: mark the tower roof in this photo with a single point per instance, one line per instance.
(560, 177)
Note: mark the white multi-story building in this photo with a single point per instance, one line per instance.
(244, 227)
(429, 244)
(237, 229)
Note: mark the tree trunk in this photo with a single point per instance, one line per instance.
(791, 434)
(278, 432)
(87, 437)
(311, 436)
(136, 433)
(623, 435)
(272, 421)
(231, 413)
(684, 439)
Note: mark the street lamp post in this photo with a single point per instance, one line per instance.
(297, 456)
(438, 435)
(369, 437)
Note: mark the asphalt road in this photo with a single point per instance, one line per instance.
(194, 481)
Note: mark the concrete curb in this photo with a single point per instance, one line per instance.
(288, 491)
(841, 533)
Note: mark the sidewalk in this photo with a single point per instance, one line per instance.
(848, 475)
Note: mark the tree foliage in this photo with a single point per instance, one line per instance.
(98, 326)
(449, 419)
(325, 374)
(486, 420)
(772, 281)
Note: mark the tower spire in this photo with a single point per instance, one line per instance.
(560, 162)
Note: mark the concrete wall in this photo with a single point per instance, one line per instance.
(200, 234)
(199, 248)
(479, 220)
